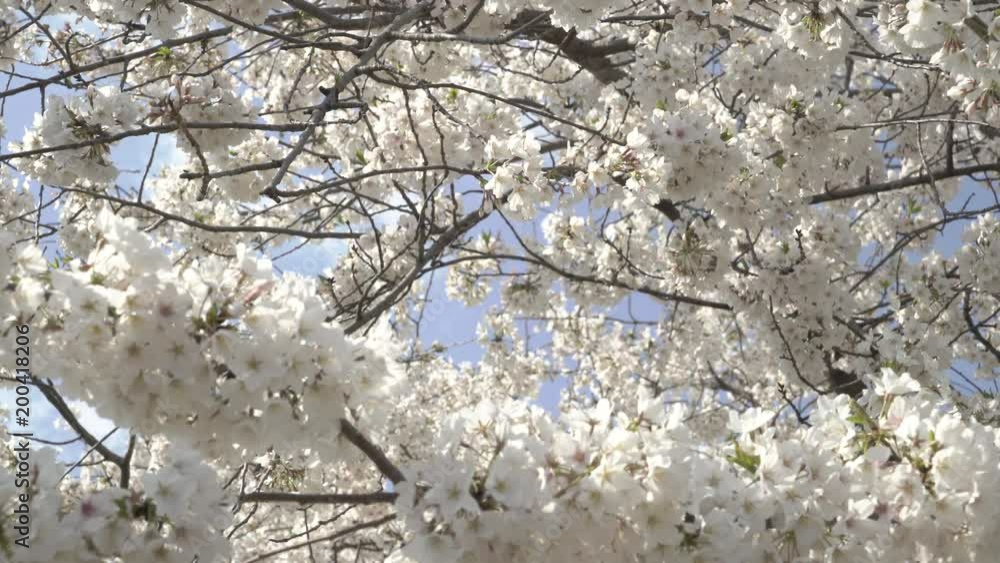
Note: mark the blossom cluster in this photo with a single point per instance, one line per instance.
(218, 353)
(899, 475)
(178, 514)
(88, 120)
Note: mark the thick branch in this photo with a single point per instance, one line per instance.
(874, 189)
(328, 16)
(373, 452)
(63, 409)
(591, 55)
(321, 498)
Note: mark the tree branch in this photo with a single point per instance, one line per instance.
(373, 452)
(590, 55)
(338, 534)
(321, 498)
(56, 400)
(874, 189)
(974, 328)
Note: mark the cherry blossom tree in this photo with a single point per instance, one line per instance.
(753, 245)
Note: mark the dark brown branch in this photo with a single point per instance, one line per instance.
(56, 78)
(667, 207)
(373, 452)
(378, 497)
(328, 16)
(215, 228)
(332, 97)
(56, 400)
(590, 55)
(902, 183)
(974, 328)
(126, 465)
(165, 128)
(440, 245)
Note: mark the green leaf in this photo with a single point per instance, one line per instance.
(122, 507)
(860, 416)
(893, 365)
(744, 459)
(163, 52)
(814, 25)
